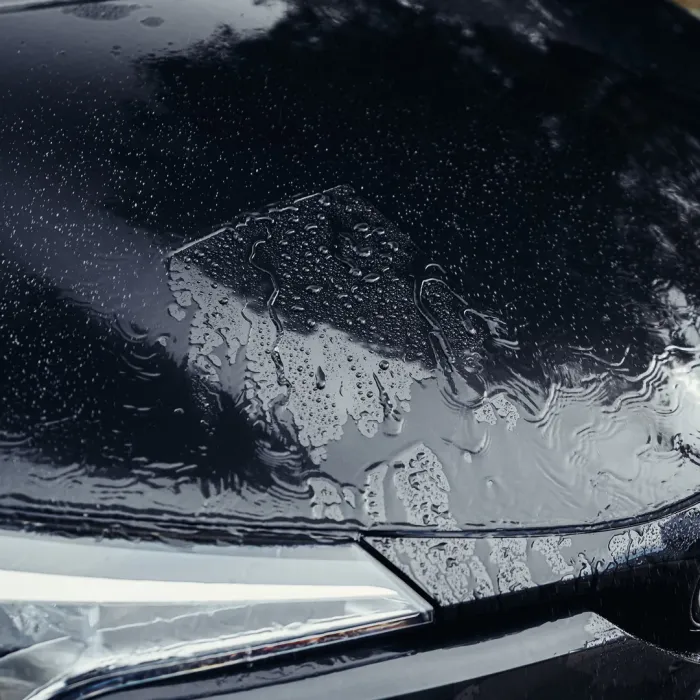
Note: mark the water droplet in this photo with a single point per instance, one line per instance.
(177, 312)
(152, 21)
(320, 378)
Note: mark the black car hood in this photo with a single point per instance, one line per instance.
(474, 305)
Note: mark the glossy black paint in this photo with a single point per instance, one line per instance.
(454, 570)
(580, 657)
(539, 180)
(527, 176)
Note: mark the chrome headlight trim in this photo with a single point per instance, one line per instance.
(88, 617)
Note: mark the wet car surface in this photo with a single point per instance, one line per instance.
(508, 224)
(424, 275)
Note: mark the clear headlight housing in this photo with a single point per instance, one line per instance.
(96, 616)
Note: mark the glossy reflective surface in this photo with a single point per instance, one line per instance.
(579, 656)
(476, 304)
(83, 618)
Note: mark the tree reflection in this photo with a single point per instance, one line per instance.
(541, 180)
(504, 161)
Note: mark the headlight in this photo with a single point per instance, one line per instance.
(96, 616)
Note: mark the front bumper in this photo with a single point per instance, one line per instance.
(579, 657)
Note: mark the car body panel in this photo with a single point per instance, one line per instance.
(419, 275)
(581, 656)
(535, 299)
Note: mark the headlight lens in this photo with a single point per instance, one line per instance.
(96, 616)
